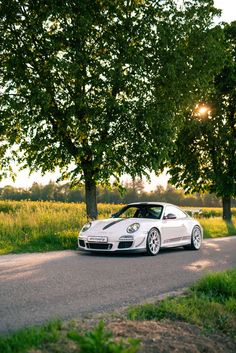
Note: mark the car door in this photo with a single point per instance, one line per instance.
(173, 228)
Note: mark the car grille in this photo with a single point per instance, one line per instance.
(81, 243)
(99, 246)
(125, 244)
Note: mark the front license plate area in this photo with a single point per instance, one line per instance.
(97, 239)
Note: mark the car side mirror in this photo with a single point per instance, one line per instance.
(170, 216)
(113, 215)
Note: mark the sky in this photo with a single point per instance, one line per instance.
(23, 179)
(228, 8)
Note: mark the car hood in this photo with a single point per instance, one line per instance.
(117, 224)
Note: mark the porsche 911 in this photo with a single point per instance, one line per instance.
(142, 227)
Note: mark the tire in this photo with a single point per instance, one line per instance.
(153, 242)
(196, 238)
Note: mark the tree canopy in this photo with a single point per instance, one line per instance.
(96, 86)
(205, 154)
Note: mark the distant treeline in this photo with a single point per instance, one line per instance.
(134, 192)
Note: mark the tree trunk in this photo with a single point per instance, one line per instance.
(226, 202)
(90, 197)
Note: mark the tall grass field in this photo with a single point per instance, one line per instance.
(31, 226)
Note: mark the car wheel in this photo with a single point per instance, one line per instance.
(196, 238)
(153, 242)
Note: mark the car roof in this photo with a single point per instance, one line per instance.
(150, 203)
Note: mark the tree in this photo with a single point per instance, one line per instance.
(204, 158)
(93, 86)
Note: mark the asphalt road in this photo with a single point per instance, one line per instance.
(66, 284)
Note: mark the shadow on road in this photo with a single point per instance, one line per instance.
(130, 254)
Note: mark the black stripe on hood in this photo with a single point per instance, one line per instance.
(112, 223)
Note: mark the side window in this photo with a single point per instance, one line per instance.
(169, 210)
(175, 211)
(179, 213)
(156, 212)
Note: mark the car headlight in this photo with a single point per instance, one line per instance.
(133, 228)
(86, 227)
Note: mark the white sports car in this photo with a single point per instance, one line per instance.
(142, 227)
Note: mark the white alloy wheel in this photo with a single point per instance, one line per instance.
(153, 242)
(196, 240)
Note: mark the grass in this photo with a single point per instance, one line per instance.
(53, 337)
(216, 227)
(31, 337)
(30, 226)
(33, 226)
(208, 212)
(210, 303)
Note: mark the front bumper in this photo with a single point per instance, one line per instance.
(122, 245)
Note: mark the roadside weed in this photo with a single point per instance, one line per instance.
(101, 341)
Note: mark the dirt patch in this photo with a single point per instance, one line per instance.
(172, 336)
(163, 336)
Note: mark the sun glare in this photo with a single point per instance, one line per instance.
(202, 110)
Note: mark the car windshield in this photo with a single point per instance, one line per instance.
(140, 211)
